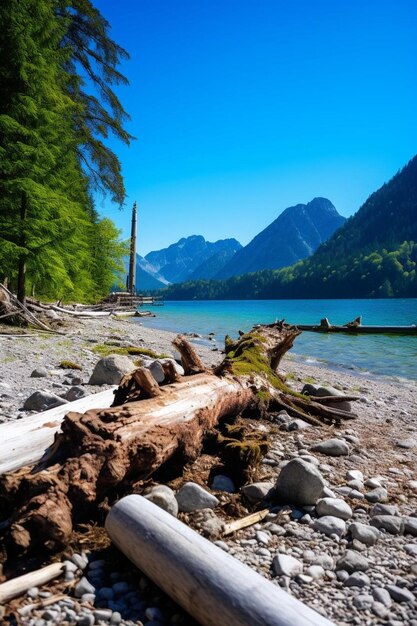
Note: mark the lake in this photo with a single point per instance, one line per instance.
(367, 354)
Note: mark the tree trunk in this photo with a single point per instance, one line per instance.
(21, 275)
(103, 452)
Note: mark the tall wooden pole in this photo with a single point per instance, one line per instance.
(132, 261)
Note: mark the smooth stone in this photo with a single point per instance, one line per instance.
(379, 494)
(105, 593)
(300, 482)
(352, 561)
(83, 587)
(390, 523)
(42, 401)
(368, 535)
(39, 372)
(262, 537)
(75, 393)
(157, 371)
(332, 447)
(87, 619)
(380, 610)
(33, 592)
(410, 525)
(286, 565)
(382, 595)
(110, 370)
(384, 509)
(164, 497)
(357, 579)
(354, 494)
(256, 491)
(363, 602)
(355, 484)
(400, 594)
(223, 483)
(411, 548)
(88, 598)
(354, 475)
(372, 483)
(325, 560)
(330, 525)
(335, 507)
(315, 571)
(192, 497)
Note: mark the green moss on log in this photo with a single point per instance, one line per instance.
(70, 365)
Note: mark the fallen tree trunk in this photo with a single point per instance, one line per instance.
(103, 452)
(25, 441)
(211, 585)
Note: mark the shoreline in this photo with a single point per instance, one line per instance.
(382, 446)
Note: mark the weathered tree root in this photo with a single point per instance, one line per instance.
(100, 454)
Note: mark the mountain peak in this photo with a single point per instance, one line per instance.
(295, 234)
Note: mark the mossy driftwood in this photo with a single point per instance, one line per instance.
(102, 453)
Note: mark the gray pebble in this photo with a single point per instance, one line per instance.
(400, 594)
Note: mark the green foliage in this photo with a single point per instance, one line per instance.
(70, 365)
(50, 235)
(104, 350)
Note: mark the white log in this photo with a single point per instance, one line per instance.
(17, 586)
(80, 313)
(24, 441)
(211, 585)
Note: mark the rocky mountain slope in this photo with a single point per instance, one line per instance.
(294, 235)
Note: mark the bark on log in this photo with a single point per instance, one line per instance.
(214, 587)
(102, 452)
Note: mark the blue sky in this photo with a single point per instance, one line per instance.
(244, 107)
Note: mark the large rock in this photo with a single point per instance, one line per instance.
(110, 369)
(351, 561)
(192, 497)
(332, 447)
(379, 494)
(330, 525)
(390, 523)
(43, 400)
(368, 535)
(39, 372)
(333, 506)
(164, 497)
(300, 483)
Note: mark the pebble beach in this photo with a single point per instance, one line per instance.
(351, 555)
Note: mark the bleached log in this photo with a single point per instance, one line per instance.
(24, 441)
(211, 585)
(17, 586)
(80, 313)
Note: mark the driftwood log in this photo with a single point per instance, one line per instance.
(100, 454)
(211, 585)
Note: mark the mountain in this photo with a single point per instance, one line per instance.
(147, 278)
(213, 265)
(374, 254)
(295, 234)
(177, 262)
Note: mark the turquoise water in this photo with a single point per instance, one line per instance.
(374, 354)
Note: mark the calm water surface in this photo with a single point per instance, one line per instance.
(374, 354)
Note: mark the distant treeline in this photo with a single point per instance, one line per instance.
(58, 68)
(373, 255)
